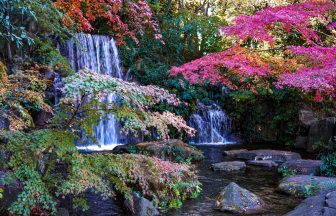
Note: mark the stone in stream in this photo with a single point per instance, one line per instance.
(305, 167)
(234, 153)
(228, 166)
(302, 184)
(236, 199)
(268, 154)
(318, 205)
(262, 163)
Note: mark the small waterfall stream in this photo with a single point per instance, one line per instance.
(100, 54)
(212, 124)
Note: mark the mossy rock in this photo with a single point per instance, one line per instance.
(172, 150)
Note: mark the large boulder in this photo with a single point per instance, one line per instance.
(235, 199)
(229, 166)
(305, 185)
(140, 206)
(322, 131)
(172, 150)
(318, 205)
(305, 167)
(268, 154)
(307, 117)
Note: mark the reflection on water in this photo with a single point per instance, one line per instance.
(261, 181)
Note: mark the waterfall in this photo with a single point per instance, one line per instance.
(100, 54)
(212, 124)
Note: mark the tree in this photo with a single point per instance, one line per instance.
(308, 23)
(124, 18)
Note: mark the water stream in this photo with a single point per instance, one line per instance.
(212, 124)
(99, 54)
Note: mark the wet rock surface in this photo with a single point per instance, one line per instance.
(268, 154)
(301, 184)
(319, 205)
(262, 163)
(305, 167)
(236, 199)
(234, 153)
(228, 166)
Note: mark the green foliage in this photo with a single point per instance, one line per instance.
(285, 171)
(9, 30)
(328, 167)
(45, 53)
(265, 115)
(36, 158)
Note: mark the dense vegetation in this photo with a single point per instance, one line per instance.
(261, 60)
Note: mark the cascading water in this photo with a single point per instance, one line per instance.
(212, 124)
(100, 54)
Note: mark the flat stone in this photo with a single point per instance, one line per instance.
(262, 163)
(299, 184)
(236, 199)
(228, 166)
(329, 211)
(305, 167)
(234, 153)
(268, 154)
(331, 202)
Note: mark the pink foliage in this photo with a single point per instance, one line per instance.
(210, 67)
(320, 75)
(291, 18)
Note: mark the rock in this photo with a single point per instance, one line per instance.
(141, 206)
(235, 199)
(331, 202)
(311, 206)
(233, 153)
(329, 211)
(305, 167)
(229, 166)
(307, 117)
(4, 123)
(42, 117)
(172, 150)
(301, 184)
(10, 193)
(267, 154)
(301, 142)
(321, 131)
(331, 195)
(62, 212)
(262, 163)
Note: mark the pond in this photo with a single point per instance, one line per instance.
(261, 181)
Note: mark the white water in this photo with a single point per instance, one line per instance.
(212, 124)
(100, 54)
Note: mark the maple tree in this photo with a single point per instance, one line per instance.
(84, 13)
(271, 27)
